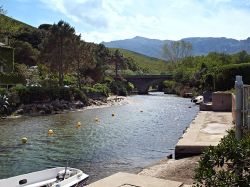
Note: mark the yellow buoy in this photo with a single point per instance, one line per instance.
(96, 119)
(78, 125)
(24, 140)
(50, 132)
(113, 114)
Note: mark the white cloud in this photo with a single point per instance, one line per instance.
(105, 20)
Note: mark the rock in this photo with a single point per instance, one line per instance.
(78, 104)
(19, 111)
(42, 112)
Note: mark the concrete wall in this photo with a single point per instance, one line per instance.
(222, 101)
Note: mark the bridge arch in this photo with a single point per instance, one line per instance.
(143, 82)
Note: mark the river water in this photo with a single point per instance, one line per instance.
(139, 134)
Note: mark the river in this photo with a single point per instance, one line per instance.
(139, 134)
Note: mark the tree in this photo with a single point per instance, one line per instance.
(117, 58)
(2, 10)
(57, 50)
(25, 53)
(174, 51)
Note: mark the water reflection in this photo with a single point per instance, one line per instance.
(129, 140)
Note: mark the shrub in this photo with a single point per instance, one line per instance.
(169, 87)
(119, 88)
(79, 95)
(130, 87)
(227, 164)
(3, 91)
(11, 78)
(102, 88)
(225, 78)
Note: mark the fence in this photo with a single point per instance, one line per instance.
(246, 106)
(242, 107)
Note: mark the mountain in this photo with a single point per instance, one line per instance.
(201, 45)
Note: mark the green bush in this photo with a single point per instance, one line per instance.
(98, 90)
(102, 88)
(227, 164)
(11, 78)
(119, 88)
(169, 87)
(3, 91)
(130, 87)
(226, 75)
(79, 95)
(42, 94)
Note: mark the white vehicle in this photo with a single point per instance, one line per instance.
(55, 177)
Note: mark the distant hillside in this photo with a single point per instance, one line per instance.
(11, 25)
(150, 64)
(201, 46)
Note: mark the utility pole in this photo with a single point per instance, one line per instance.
(239, 107)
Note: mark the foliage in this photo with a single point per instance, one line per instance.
(11, 78)
(119, 87)
(79, 95)
(3, 91)
(32, 94)
(98, 90)
(7, 58)
(177, 50)
(214, 71)
(130, 87)
(2, 10)
(227, 164)
(25, 53)
(169, 87)
(69, 79)
(10, 25)
(226, 75)
(54, 49)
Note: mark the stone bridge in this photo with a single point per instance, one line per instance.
(143, 82)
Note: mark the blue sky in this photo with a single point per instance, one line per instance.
(106, 20)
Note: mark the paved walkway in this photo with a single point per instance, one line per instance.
(206, 129)
(133, 180)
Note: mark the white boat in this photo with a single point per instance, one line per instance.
(55, 177)
(198, 100)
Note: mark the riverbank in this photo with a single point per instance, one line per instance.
(59, 107)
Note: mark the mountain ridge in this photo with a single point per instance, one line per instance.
(201, 45)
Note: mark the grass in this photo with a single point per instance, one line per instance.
(11, 25)
(148, 64)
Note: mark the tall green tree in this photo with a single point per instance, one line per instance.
(57, 49)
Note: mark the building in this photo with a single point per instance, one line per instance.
(6, 58)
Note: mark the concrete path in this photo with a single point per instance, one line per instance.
(206, 129)
(133, 180)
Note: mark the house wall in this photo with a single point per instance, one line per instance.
(7, 58)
